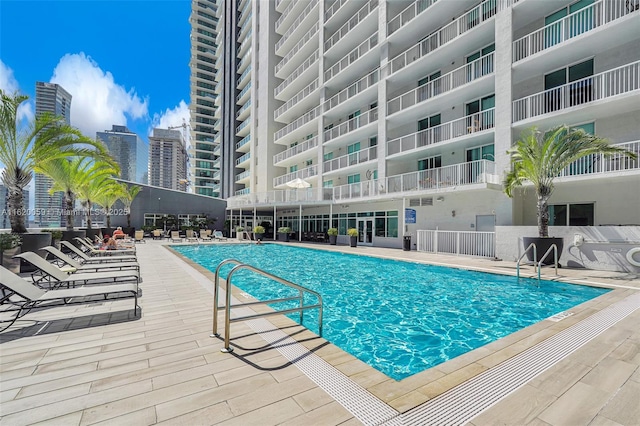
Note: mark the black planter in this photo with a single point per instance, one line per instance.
(283, 237)
(71, 235)
(33, 242)
(92, 232)
(542, 245)
(353, 241)
(107, 231)
(130, 231)
(259, 236)
(333, 239)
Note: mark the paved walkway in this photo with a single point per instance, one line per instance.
(98, 364)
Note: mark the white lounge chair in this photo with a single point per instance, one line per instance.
(61, 259)
(76, 252)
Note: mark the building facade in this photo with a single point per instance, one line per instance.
(51, 98)
(206, 62)
(398, 114)
(129, 151)
(168, 160)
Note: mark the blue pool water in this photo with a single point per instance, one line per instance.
(399, 317)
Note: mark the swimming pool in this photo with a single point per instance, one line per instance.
(399, 317)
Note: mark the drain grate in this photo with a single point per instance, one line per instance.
(459, 405)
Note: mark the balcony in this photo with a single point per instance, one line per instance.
(598, 164)
(287, 83)
(243, 159)
(310, 39)
(333, 9)
(243, 142)
(243, 191)
(459, 77)
(243, 112)
(470, 20)
(352, 57)
(355, 158)
(616, 82)
(408, 14)
(295, 150)
(244, 176)
(302, 174)
(573, 25)
(352, 90)
(286, 39)
(359, 16)
(288, 196)
(301, 122)
(464, 126)
(351, 125)
(243, 129)
(296, 99)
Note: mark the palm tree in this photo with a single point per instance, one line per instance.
(68, 175)
(112, 192)
(47, 137)
(129, 194)
(539, 158)
(95, 183)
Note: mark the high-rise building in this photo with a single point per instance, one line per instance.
(5, 223)
(129, 151)
(168, 160)
(51, 98)
(399, 114)
(206, 60)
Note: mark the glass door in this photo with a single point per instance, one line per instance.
(365, 231)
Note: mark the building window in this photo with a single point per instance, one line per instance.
(309, 163)
(353, 178)
(571, 214)
(327, 184)
(293, 169)
(430, 163)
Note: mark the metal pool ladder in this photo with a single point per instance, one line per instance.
(538, 264)
(535, 258)
(227, 307)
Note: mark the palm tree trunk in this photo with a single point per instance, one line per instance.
(89, 214)
(543, 216)
(69, 201)
(17, 213)
(108, 219)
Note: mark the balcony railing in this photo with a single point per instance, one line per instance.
(351, 125)
(296, 23)
(278, 196)
(295, 150)
(295, 49)
(408, 14)
(464, 126)
(301, 121)
(242, 125)
(573, 25)
(333, 9)
(312, 59)
(611, 83)
(353, 89)
(242, 142)
(302, 174)
(243, 191)
(244, 158)
(351, 23)
(244, 108)
(599, 163)
(286, 12)
(243, 175)
(352, 159)
(479, 14)
(352, 56)
(296, 98)
(459, 77)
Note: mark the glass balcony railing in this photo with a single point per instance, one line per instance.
(242, 159)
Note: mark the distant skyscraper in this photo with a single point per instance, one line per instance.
(167, 160)
(52, 98)
(205, 97)
(129, 151)
(4, 217)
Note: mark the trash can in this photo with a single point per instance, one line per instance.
(406, 243)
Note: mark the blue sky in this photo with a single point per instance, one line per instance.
(124, 62)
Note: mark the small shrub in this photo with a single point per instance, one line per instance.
(9, 241)
(352, 232)
(239, 228)
(332, 231)
(55, 233)
(259, 229)
(284, 230)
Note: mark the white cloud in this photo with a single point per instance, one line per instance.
(98, 101)
(9, 85)
(171, 117)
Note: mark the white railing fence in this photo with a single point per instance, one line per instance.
(464, 243)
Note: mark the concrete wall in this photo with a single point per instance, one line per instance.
(167, 201)
(604, 248)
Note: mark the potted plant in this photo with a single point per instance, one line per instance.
(283, 233)
(9, 247)
(259, 231)
(56, 236)
(353, 236)
(333, 235)
(538, 158)
(239, 232)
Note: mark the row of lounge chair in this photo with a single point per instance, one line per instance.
(87, 275)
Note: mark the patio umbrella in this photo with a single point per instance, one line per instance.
(298, 183)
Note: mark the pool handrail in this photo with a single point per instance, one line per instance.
(555, 258)
(228, 306)
(535, 258)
